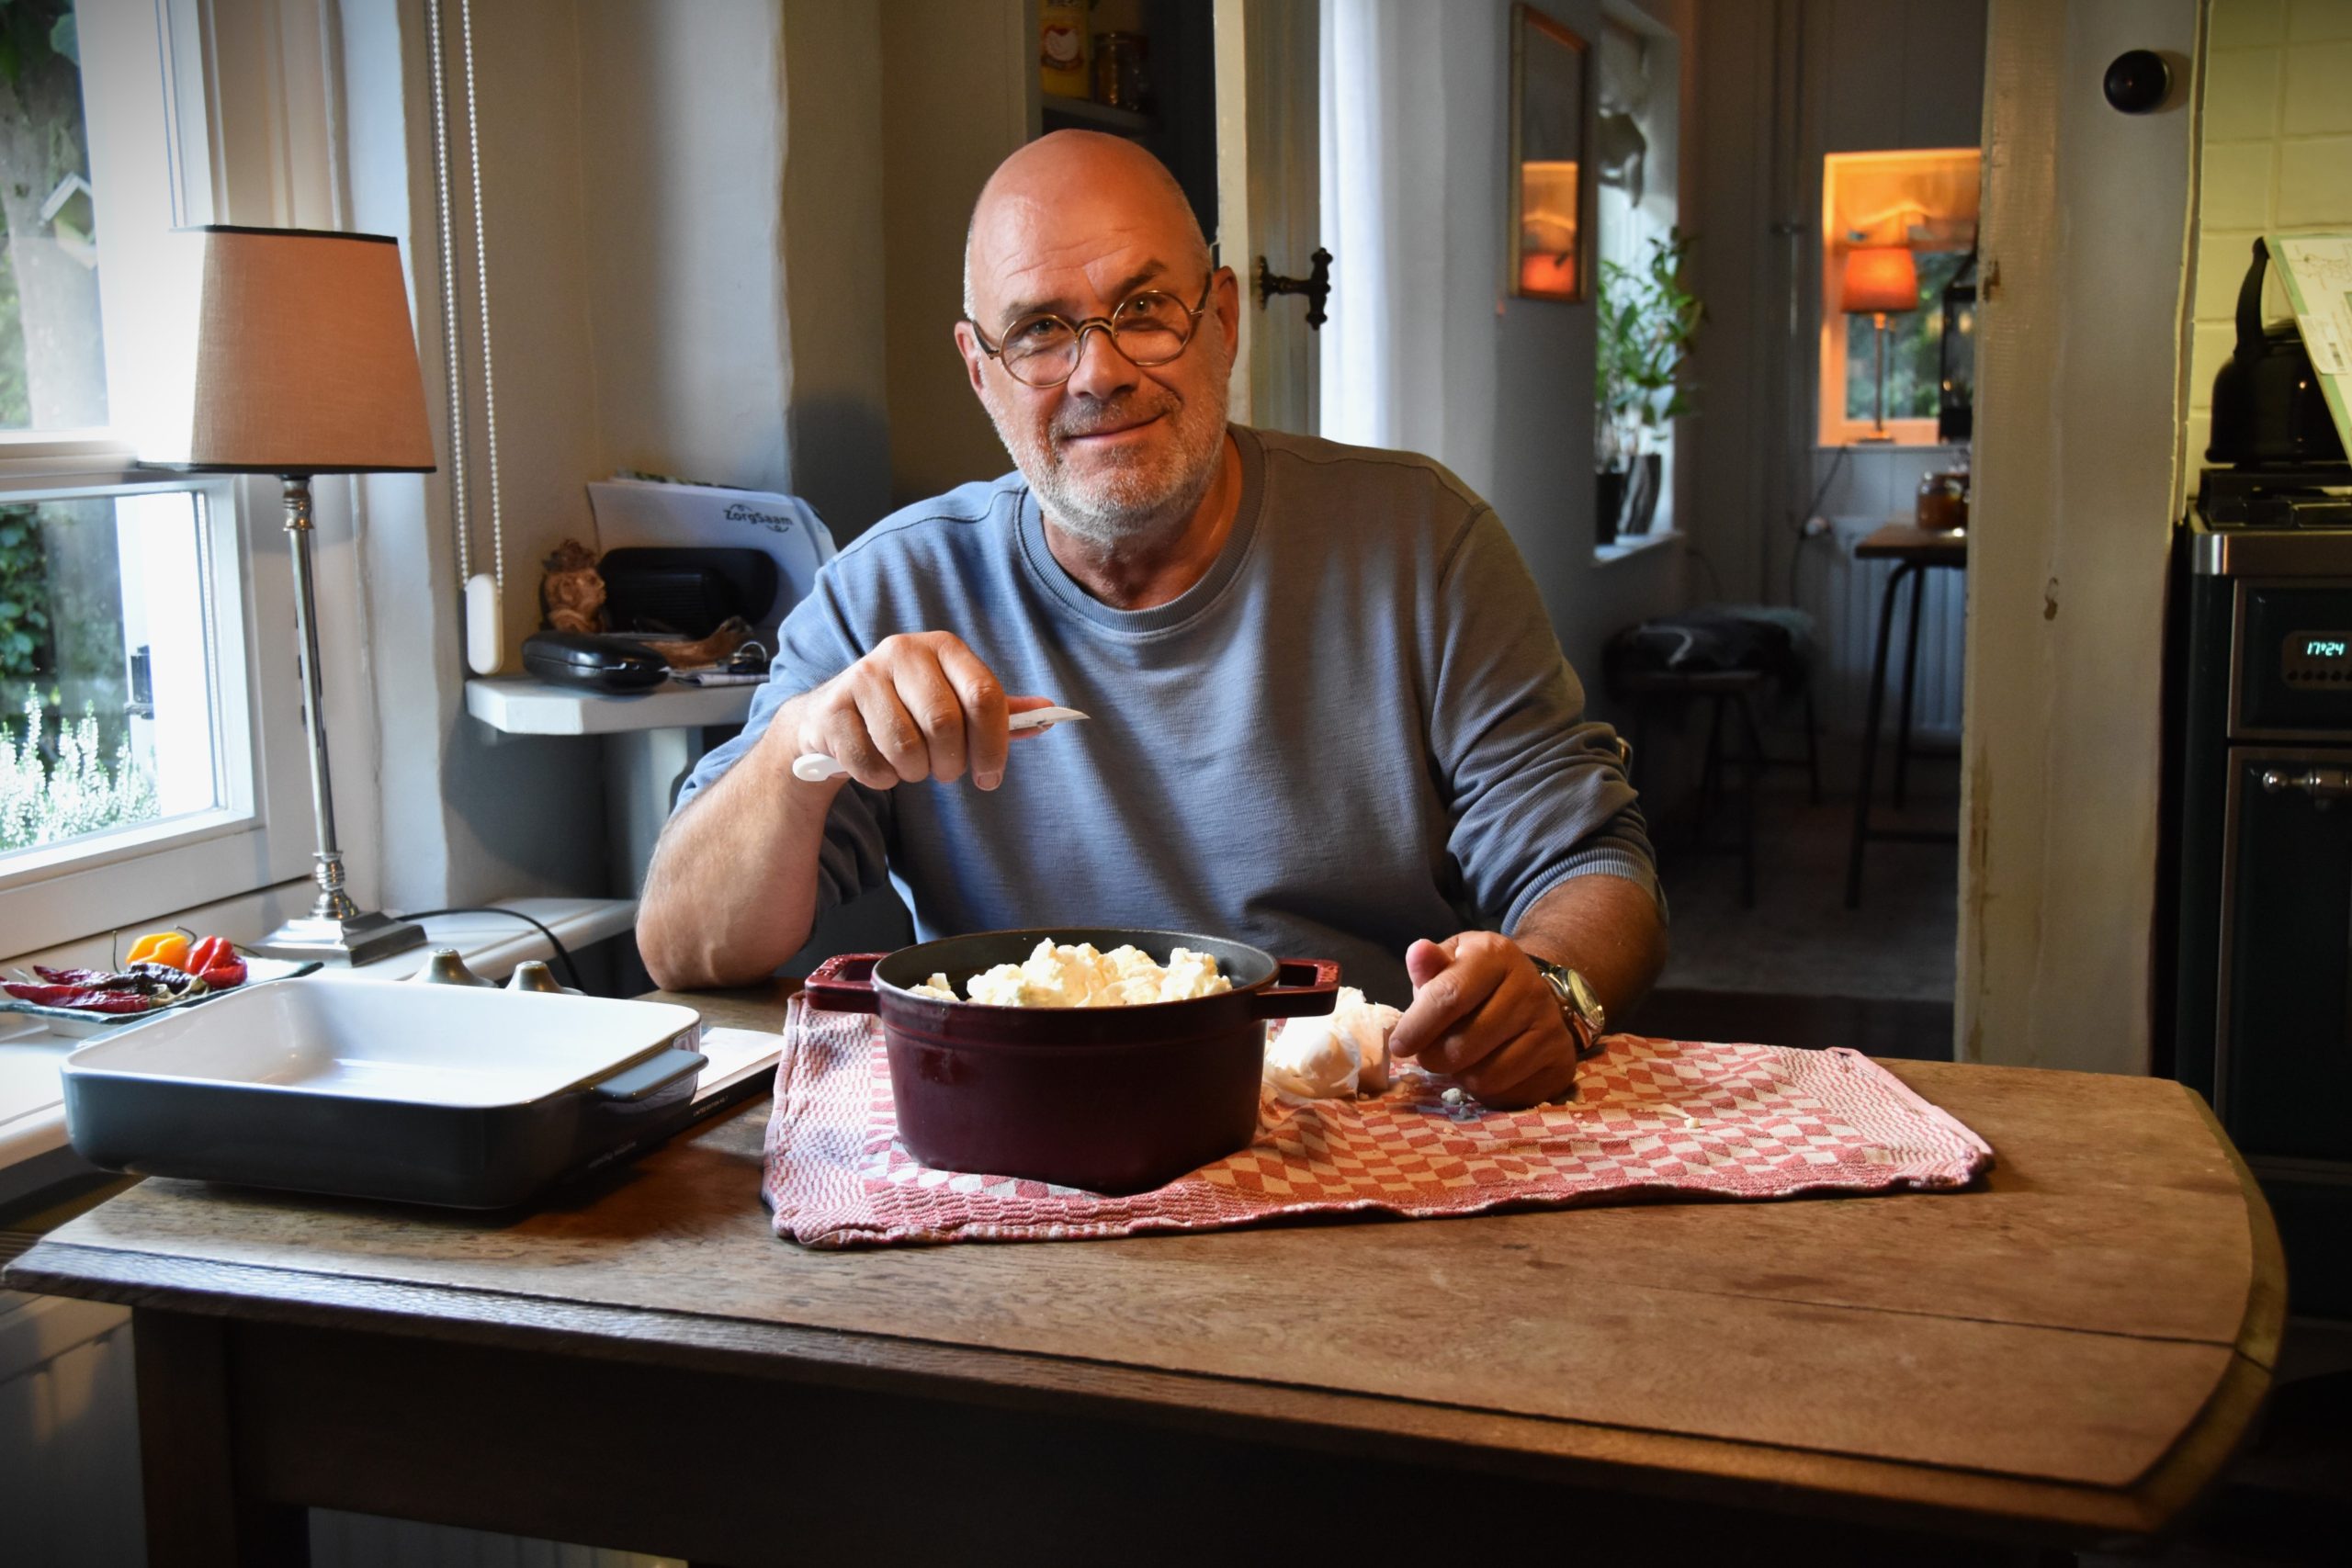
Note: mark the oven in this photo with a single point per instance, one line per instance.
(2262, 781)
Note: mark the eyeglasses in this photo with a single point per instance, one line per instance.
(1043, 350)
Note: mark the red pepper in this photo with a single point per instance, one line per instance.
(111, 1001)
(225, 976)
(96, 979)
(210, 953)
(82, 999)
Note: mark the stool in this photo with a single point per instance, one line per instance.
(1733, 688)
(1916, 552)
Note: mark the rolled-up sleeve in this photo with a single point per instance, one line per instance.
(1538, 794)
(815, 643)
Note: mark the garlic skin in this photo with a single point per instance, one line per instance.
(1343, 1053)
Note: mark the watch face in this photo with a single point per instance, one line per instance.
(1586, 1003)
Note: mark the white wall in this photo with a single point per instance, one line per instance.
(664, 200)
(2275, 152)
(2080, 377)
(837, 95)
(961, 81)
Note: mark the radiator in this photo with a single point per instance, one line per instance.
(1843, 595)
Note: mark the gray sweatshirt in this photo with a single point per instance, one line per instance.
(1357, 729)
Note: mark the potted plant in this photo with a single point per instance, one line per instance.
(1646, 321)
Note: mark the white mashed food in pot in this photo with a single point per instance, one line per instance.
(1079, 976)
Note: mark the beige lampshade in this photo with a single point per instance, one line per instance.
(288, 351)
(1880, 278)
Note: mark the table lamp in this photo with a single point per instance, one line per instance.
(292, 356)
(1880, 280)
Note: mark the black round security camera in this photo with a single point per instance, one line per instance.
(2138, 81)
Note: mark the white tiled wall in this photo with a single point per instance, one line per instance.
(2278, 154)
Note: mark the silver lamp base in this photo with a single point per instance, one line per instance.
(361, 938)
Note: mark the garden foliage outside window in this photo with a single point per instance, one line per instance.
(108, 719)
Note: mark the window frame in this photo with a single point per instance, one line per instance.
(1832, 428)
(156, 870)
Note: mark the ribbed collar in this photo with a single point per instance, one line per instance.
(1050, 575)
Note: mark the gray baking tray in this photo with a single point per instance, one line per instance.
(454, 1095)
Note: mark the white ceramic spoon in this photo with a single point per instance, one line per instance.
(815, 767)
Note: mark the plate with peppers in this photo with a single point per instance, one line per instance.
(165, 970)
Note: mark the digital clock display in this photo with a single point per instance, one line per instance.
(2317, 658)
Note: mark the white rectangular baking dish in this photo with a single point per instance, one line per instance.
(440, 1094)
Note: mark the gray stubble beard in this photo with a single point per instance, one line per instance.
(1115, 523)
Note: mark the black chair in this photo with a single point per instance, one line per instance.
(1725, 656)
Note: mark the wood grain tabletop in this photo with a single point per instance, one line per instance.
(2080, 1341)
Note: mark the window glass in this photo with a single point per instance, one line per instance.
(108, 716)
(1914, 341)
(52, 354)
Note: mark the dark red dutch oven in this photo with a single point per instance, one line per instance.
(1111, 1100)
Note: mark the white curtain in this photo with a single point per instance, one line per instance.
(1383, 191)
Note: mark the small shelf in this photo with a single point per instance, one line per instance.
(519, 704)
(1633, 545)
(1105, 117)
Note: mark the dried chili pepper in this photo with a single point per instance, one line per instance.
(82, 999)
(96, 979)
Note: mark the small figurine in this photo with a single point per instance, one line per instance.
(572, 594)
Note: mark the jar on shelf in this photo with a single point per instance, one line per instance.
(1118, 72)
(1943, 501)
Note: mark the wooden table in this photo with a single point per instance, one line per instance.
(1916, 551)
(2068, 1354)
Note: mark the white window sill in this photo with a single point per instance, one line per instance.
(32, 1098)
(1633, 545)
(517, 704)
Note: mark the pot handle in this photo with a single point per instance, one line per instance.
(845, 983)
(1303, 988)
(655, 1072)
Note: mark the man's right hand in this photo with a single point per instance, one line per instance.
(921, 705)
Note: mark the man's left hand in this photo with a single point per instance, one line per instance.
(1482, 1013)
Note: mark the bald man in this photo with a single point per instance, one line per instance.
(1329, 717)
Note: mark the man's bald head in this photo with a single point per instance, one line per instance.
(1075, 179)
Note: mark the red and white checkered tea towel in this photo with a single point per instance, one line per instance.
(1652, 1116)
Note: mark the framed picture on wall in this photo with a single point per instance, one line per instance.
(1551, 228)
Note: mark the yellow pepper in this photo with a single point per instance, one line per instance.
(161, 947)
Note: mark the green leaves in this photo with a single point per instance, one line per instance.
(1646, 321)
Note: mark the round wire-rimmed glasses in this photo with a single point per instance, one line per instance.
(1043, 349)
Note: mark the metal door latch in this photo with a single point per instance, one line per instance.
(1316, 284)
(2323, 785)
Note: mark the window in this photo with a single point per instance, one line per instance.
(1638, 74)
(135, 777)
(111, 718)
(1873, 205)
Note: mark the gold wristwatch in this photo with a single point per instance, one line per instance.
(1581, 1011)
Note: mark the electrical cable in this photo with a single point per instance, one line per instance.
(1811, 508)
(562, 954)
